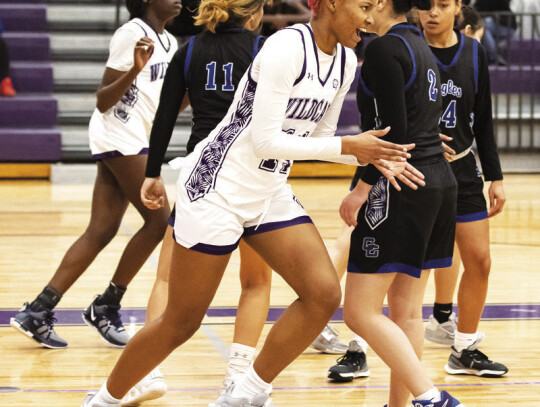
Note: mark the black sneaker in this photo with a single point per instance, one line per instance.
(351, 365)
(471, 361)
(105, 319)
(38, 325)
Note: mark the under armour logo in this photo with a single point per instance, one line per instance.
(335, 83)
(310, 76)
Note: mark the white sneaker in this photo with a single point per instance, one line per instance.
(151, 387)
(328, 342)
(444, 333)
(226, 399)
(89, 401)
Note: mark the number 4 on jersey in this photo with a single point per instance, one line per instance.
(449, 115)
(211, 77)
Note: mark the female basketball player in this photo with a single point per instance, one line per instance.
(465, 89)
(234, 185)
(397, 235)
(127, 100)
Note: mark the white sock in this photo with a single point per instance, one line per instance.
(251, 385)
(430, 395)
(361, 341)
(104, 396)
(463, 341)
(240, 358)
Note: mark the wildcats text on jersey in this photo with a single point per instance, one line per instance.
(306, 109)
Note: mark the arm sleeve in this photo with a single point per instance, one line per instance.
(483, 123)
(121, 49)
(279, 64)
(172, 94)
(385, 77)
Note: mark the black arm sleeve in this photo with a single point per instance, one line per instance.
(483, 123)
(386, 67)
(172, 94)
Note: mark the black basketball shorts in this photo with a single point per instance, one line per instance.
(407, 231)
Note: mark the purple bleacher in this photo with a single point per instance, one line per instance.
(349, 115)
(27, 46)
(24, 17)
(30, 145)
(28, 111)
(523, 52)
(32, 77)
(515, 79)
(21, 1)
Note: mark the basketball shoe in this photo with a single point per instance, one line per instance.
(351, 365)
(444, 333)
(105, 319)
(446, 401)
(328, 341)
(471, 361)
(151, 387)
(90, 401)
(38, 325)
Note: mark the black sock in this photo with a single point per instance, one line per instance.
(48, 299)
(112, 295)
(442, 312)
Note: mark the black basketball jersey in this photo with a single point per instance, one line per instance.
(459, 86)
(422, 92)
(214, 64)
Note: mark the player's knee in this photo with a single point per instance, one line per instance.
(329, 298)
(180, 330)
(101, 236)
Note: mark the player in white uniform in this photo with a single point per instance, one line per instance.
(127, 100)
(234, 184)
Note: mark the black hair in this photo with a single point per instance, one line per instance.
(469, 16)
(404, 6)
(136, 8)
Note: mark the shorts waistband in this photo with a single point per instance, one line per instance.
(432, 159)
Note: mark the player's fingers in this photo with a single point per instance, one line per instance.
(410, 180)
(379, 133)
(394, 182)
(445, 137)
(414, 171)
(448, 149)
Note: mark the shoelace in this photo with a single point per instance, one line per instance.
(478, 355)
(350, 358)
(114, 316)
(50, 320)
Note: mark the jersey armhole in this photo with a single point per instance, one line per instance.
(256, 47)
(188, 58)
(343, 62)
(413, 75)
(303, 73)
(475, 64)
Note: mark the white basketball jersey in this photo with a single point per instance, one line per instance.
(225, 162)
(125, 127)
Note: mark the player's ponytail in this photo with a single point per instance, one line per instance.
(136, 8)
(404, 6)
(232, 13)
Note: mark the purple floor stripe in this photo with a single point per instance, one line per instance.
(337, 386)
(137, 315)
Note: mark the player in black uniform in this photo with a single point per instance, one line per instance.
(397, 235)
(465, 89)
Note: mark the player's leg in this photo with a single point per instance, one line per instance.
(190, 295)
(103, 313)
(256, 279)
(473, 242)
(298, 254)
(108, 207)
(441, 327)
(405, 298)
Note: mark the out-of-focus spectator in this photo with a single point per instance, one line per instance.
(530, 24)
(282, 13)
(500, 27)
(470, 23)
(6, 87)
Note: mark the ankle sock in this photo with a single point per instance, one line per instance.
(104, 396)
(442, 312)
(430, 395)
(251, 385)
(46, 300)
(463, 341)
(112, 295)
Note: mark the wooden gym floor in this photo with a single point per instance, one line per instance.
(38, 222)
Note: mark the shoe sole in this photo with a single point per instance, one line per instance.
(151, 395)
(338, 377)
(473, 372)
(15, 324)
(89, 323)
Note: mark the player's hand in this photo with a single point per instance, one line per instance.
(153, 193)
(142, 53)
(404, 172)
(353, 202)
(448, 152)
(497, 198)
(367, 147)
